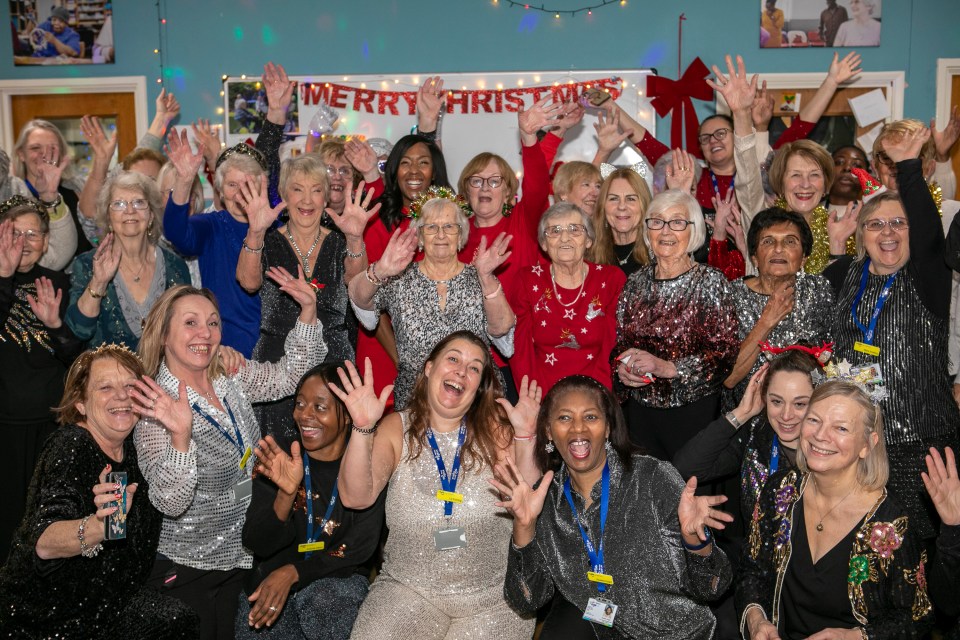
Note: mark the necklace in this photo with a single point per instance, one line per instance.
(445, 281)
(136, 276)
(305, 259)
(556, 289)
(820, 522)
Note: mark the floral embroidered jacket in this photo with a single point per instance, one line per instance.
(886, 583)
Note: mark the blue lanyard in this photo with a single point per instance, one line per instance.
(33, 189)
(596, 554)
(448, 482)
(716, 184)
(238, 442)
(881, 300)
(774, 455)
(308, 494)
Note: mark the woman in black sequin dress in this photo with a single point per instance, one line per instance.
(63, 579)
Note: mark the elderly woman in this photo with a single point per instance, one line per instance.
(196, 437)
(565, 320)
(642, 532)
(36, 348)
(113, 287)
(217, 238)
(328, 260)
(64, 577)
(446, 556)
(831, 554)
(42, 161)
(781, 305)
(676, 332)
(624, 197)
(893, 310)
(862, 30)
(308, 578)
(430, 299)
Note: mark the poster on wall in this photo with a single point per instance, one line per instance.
(819, 23)
(48, 33)
(480, 112)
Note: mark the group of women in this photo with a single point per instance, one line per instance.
(585, 367)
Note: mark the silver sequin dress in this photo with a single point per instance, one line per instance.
(423, 593)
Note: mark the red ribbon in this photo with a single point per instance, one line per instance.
(669, 94)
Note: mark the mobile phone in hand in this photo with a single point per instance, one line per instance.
(116, 522)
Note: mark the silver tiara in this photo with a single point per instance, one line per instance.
(868, 377)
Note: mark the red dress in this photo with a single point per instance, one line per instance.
(559, 337)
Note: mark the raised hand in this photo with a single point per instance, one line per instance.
(103, 147)
(752, 402)
(167, 106)
(175, 415)
(907, 146)
(942, 484)
(724, 212)
(356, 211)
(762, 110)
(844, 70)
(430, 99)
(609, 135)
(254, 199)
(735, 88)
(106, 261)
(278, 86)
(571, 113)
(520, 499)
(523, 415)
(735, 228)
(359, 396)
(697, 512)
(186, 162)
(680, 171)
(840, 227)
(208, 138)
(231, 359)
(11, 249)
(297, 288)
(46, 304)
(488, 259)
(541, 115)
(944, 140)
(361, 155)
(283, 469)
(50, 172)
(398, 254)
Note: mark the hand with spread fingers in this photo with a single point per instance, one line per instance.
(174, 415)
(302, 292)
(680, 171)
(523, 415)
(696, 513)
(522, 501)
(357, 211)
(841, 226)
(46, 304)
(738, 91)
(488, 259)
(11, 249)
(359, 395)
(283, 469)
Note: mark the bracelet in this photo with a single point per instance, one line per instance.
(863, 633)
(359, 254)
(837, 256)
(94, 294)
(525, 438)
(246, 247)
(52, 205)
(372, 277)
(85, 551)
(732, 419)
(491, 296)
(697, 547)
(368, 431)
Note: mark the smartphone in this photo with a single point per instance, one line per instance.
(116, 522)
(594, 97)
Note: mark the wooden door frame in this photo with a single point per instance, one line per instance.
(137, 85)
(946, 69)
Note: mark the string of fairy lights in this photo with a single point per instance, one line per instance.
(588, 9)
(159, 51)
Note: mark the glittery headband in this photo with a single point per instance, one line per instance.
(821, 354)
(433, 192)
(640, 168)
(868, 377)
(243, 149)
(14, 202)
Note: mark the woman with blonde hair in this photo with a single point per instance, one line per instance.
(622, 203)
(579, 183)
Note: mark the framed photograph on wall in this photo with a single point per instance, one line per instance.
(788, 24)
(53, 33)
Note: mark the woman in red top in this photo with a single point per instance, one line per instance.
(566, 317)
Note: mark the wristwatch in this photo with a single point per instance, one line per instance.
(732, 419)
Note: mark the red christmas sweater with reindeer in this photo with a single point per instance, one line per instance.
(562, 332)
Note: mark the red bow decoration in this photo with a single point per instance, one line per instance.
(669, 94)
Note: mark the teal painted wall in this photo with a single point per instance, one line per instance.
(206, 39)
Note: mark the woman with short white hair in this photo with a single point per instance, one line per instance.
(676, 332)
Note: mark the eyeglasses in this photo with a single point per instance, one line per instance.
(717, 135)
(494, 182)
(343, 172)
(677, 224)
(29, 235)
(122, 205)
(449, 229)
(884, 159)
(878, 224)
(555, 231)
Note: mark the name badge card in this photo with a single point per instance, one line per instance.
(452, 538)
(600, 611)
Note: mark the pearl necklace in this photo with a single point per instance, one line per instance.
(556, 289)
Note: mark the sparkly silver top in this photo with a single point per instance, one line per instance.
(474, 572)
(203, 522)
(689, 320)
(809, 321)
(413, 303)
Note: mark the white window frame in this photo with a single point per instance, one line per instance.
(137, 85)
(946, 69)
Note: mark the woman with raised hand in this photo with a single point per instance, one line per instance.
(446, 556)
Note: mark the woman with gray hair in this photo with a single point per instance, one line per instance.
(676, 332)
(113, 287)
(430, 299)
(565, 315)
(217, 238)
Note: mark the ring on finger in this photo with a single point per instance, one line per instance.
(273, 608)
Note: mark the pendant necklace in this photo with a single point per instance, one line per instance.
(305, 259)
(820, 523)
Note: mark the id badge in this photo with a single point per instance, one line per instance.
(242, 490)
(453, 538)
(600, 611)
(310, 546)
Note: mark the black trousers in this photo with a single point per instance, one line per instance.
(662, 432)
(565, 622)
(211, 594)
